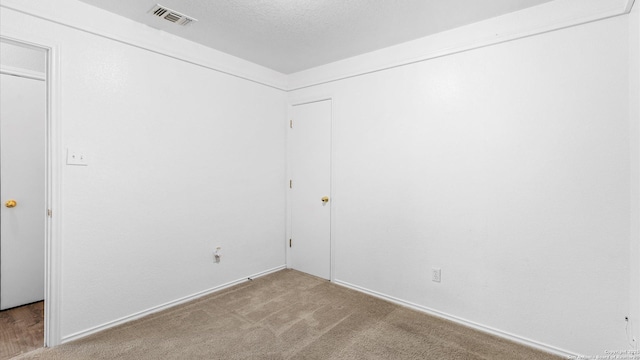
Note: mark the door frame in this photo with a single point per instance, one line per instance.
(297, 101)
(53, 190)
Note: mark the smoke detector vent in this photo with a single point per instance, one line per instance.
(171, 15)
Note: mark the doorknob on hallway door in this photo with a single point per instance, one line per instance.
(325, 199)
(10, 203)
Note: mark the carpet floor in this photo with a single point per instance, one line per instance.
(289, 315)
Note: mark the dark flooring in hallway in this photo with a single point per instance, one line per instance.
(21, 330)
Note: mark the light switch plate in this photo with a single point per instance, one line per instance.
(76, 157)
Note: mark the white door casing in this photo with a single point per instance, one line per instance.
(23, 179)
(310, 155)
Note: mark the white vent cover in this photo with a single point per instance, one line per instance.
(171, 15)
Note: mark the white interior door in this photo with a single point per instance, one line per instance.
(22, 179)
(311, 182)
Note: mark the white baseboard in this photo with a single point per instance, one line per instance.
(461, 321)
(165, 306)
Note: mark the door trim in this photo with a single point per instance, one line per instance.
(297, 101)
(53, 190)
(34, 75)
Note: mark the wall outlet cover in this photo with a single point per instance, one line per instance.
(436, 275)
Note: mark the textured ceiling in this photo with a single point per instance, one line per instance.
(294, 35)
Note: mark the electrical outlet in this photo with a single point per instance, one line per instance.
(436, 275)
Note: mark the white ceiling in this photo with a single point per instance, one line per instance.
(294, 35)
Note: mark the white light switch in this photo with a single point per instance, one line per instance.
(75, 157)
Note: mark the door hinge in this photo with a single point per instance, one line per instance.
(49, 212)
(290, 184)
(291, 124)
(289, 242)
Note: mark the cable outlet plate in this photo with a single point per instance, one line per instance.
(436, 275)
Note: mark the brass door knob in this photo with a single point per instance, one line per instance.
(10, 203)
(325, 199)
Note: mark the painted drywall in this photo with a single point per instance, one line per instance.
(182, 159)
(634, 131)
(508, 167)
(90, 19)
(542, 18)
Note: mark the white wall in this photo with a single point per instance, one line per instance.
(508, 167)
(182, 159)
(634, 131)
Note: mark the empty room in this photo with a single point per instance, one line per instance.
(281, 179)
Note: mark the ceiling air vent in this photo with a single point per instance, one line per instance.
(170, 15)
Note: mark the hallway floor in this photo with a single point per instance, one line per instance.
(21, 330)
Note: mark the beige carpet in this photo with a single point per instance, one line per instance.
(289, 315)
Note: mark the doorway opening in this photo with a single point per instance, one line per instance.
(25, 196)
